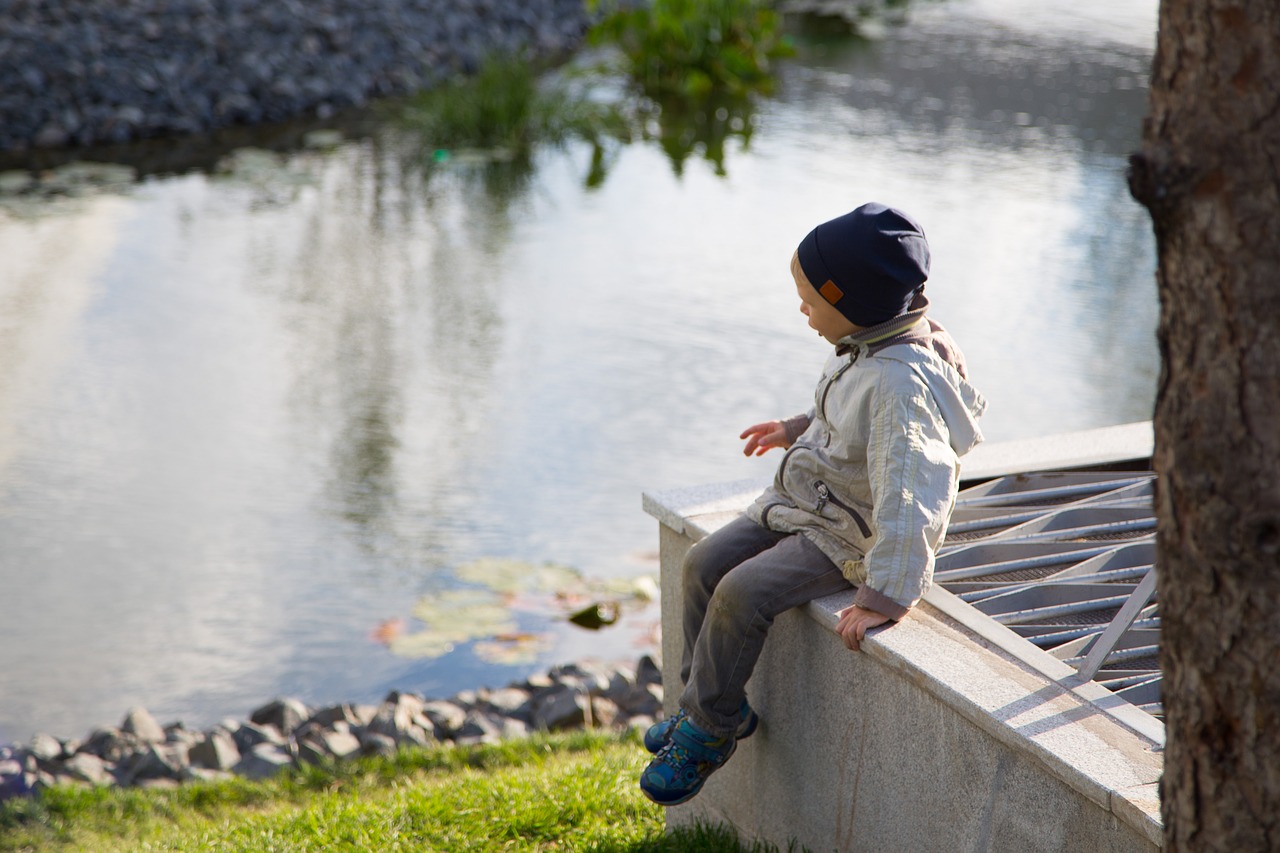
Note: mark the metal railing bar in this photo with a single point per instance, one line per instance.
(1024, 563)
(1133, 605)
(1035, 614)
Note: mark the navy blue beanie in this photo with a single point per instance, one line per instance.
(869, 263)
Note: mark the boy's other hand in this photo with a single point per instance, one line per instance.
(854, 624)
(764, 437)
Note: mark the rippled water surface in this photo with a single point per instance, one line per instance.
(249, 419)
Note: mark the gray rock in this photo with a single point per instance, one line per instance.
(217, 751)
(577, 695)
(83, 767)
(645, 700)
(316, 744)
(248, 735)
(589, 678)
(604, 712)
(156, 761)
(45, 747)
(561, 707)
(649, 671)
(355, 715)
(640, 723)
(621, 685)
(446, 717)
(139, 723)
(402, 718)
(111, 745)
(263, 761)
(479, 728)
(372, 743)
(284, 715)
(180, 736)
(205, 774)
(510, 702)
(114, 71)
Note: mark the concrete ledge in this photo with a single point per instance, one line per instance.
(936, 738)
(1085, 449)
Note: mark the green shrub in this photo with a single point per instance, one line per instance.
(692, 48)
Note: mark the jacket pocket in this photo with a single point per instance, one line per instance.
(826, 497)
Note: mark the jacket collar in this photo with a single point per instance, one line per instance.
(904, 328)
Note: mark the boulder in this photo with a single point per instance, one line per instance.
(446, 717)
(402, 718)
(155, 761)
(139, 723)
(284, 715)
(84, 767)
(249, 734)
(216, 751)
(560, 707)
(45, 747)
(509, 702)
(263, 761)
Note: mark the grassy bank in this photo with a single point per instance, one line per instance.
(564, 792)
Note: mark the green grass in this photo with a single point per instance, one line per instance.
(563, 792)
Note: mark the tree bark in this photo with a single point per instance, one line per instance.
(1209, 173)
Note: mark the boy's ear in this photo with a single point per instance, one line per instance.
(831, 292)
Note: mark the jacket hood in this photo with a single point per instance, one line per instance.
(961, 404)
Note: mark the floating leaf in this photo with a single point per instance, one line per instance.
(423, 644)
(514, 576)
(387, 631)
(452, 617)
(512, 649)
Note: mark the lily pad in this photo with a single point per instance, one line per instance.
(452, 617)
(516, 576)
(512, 649)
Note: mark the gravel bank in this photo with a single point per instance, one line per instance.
(83, 72)
(286, 732)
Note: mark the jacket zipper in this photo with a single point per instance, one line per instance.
(822, 403)
(825, 496)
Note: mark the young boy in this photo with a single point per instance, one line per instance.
(862, 495)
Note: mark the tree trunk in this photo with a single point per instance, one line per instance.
(1209, 173)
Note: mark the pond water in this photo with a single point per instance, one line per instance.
(251, 419)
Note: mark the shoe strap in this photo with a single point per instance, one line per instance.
(697, 748)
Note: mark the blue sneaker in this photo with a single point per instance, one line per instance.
(656, 737)
(680, 768)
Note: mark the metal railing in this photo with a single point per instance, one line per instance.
(1066, 560)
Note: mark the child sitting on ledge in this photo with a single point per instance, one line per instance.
(862, 495)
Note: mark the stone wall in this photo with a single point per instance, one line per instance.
(937, 736)
(85, 72)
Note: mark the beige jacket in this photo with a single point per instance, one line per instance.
(872, 474)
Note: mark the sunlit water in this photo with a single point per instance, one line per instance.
(246, 419)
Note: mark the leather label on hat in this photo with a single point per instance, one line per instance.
(831, 292)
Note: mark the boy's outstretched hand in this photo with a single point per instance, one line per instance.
(764, 437)
(854, 624)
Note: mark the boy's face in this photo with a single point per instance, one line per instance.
(823, 316)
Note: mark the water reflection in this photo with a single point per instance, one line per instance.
(247, 417)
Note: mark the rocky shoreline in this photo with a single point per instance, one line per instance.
(287, 733)
(81, 72)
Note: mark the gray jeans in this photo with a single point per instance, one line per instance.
(736, 581)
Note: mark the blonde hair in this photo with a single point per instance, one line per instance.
(798, 271)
